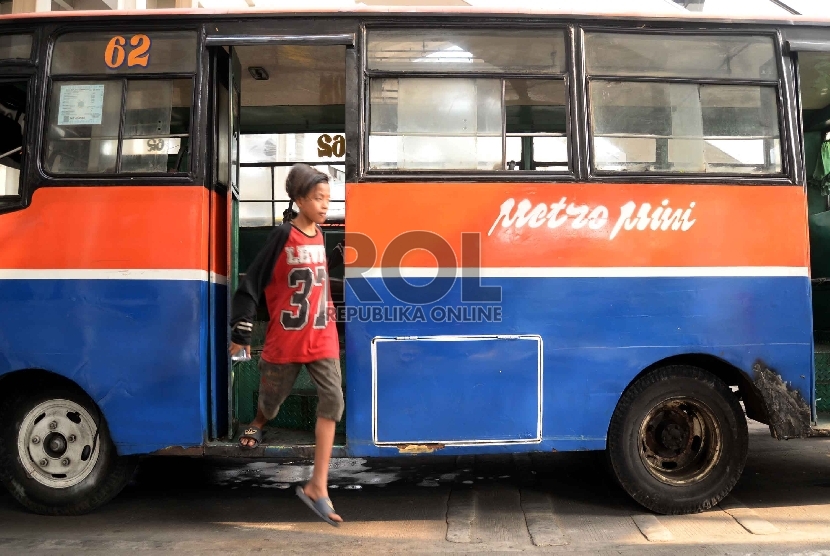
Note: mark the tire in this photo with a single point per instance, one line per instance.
(56, 455)
(678, 440)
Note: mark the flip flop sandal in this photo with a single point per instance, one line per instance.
(252, 433)
(322, 506)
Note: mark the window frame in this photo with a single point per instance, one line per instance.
(568, 78)
(197, 105)
(783, 96)
(124, 79)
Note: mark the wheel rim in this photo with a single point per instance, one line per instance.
(57, 443)
(680, 441)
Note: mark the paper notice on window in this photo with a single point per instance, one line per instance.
(81, 105)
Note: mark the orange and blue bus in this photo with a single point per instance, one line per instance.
(559, 232)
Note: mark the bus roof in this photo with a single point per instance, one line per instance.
(424, 11)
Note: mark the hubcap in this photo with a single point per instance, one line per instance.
(680, 441)
(57, 445)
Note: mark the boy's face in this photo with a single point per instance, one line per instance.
(316, 205)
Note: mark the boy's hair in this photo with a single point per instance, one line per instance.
(301, 181)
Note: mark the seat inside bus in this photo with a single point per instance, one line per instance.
(814, 70)
(292, 110)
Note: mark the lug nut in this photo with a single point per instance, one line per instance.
(44, 462)
(35, 440)
(71, 438)
(65, 462)
(53, 425)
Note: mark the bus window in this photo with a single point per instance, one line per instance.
(117, 122)
(15, 47)
(266, 161)
(257, 200)
(467, 51)
(715, 57)
(678, 127)
(536, 124)
(640, 124)
(467, 121)
(12, 127)
(156, 126)
(435, 124)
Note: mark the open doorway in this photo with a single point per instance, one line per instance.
(814, 78)
(292, 110)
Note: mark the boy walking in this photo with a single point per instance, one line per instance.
(291, 273)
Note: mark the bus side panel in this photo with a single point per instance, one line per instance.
(730, 281)
(599, 333)
(107, 286)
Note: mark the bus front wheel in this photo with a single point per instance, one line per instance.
(678, 440)
(56, 455)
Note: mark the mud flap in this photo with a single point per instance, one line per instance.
(788, 413)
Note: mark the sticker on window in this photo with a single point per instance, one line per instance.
(81, 105)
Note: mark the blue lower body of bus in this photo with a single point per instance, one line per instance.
(542, 372)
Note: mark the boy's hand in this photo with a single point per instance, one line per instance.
(236, 348)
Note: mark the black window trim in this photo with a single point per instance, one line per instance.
(356, 107)
(366, 75)
(785, 177)
(198, 76)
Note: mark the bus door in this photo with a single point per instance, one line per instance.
(289, 93)
(812, 62)
(224, 174)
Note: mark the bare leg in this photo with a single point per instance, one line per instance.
(258, 422)
(318, 487)
(275, 382)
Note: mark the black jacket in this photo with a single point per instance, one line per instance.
(248, 295)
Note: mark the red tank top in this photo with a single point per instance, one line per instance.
(298, 299)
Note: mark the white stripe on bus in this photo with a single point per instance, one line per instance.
(417, 272)
(218, 279)
(587, 272)
(110, 274)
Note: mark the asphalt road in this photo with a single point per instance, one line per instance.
(543, 503)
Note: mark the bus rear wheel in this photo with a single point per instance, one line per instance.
(678, 440)
(56, 455)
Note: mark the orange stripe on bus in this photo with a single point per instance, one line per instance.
(109, 227)
(561, 225)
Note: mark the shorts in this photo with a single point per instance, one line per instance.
(276, 380)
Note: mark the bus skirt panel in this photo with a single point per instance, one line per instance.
(134, 345)
(544, 367)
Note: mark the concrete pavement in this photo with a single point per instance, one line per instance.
(541, 503)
